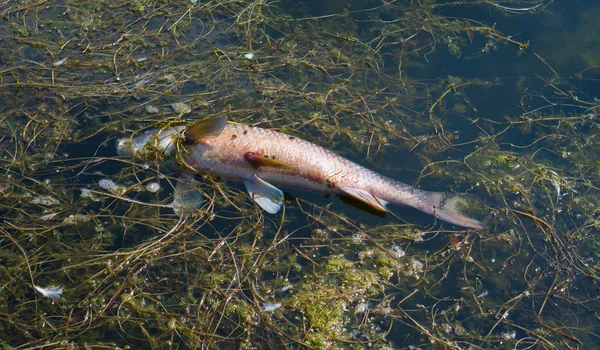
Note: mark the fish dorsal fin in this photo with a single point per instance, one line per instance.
(365, 197)
(257, 161)
(207, 128)
(267, 196)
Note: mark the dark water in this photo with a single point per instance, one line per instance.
(469, 112)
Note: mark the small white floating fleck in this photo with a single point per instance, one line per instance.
(151, 109)
(509, 335)
(86, 193)
(48, 216)
(153, 187)
(76, 219)
(556, 185)
(60, 62)
(107, 184)
(268, 307)
(361, 308)
(50, 292)
(170, 78)
(357, 238)
(45, 200)
(141, 59)
(111, 187)
(249, 56)
(181, 107)
(397, 251)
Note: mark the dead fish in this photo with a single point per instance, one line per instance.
(264, 159)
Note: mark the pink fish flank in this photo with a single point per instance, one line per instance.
(314, 168)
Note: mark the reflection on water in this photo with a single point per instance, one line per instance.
(485, 100)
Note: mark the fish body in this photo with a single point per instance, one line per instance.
(264, 158)
(318, 169)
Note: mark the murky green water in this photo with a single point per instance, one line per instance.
(497, 101)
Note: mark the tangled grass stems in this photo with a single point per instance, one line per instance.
(74, 78)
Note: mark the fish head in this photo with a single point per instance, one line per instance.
(156, 144)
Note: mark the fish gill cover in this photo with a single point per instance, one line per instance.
(493, 100)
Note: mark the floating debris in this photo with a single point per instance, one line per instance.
(50, 292)
(361, 308)
(181, 108)
(5, 188)
(48, 216)
(268, 307)
(509, 335)
(86, 193)
(397, 251)
(107, 184)
(170, 78)
(111, 186)
(151, 109)
(60, 62)
(357, 238)
(555, 181)
(45, 201)
(412, 268)
(249, 56)
(75, 219)
(153, 187)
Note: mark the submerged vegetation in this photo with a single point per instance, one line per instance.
(92, 254)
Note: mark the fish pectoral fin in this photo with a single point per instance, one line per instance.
(364, 197)
(257, 161)
(186, 198)
(267, 196)
(207, 128)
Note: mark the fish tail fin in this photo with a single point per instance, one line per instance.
(447, 207)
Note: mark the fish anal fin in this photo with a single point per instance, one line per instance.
(267, 196)
(207, 128)
(364, 197)
(256, 161)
